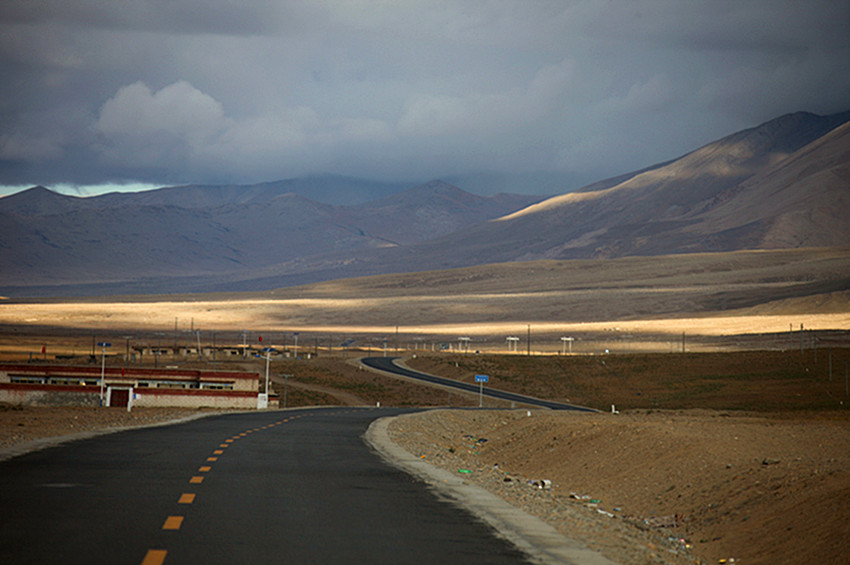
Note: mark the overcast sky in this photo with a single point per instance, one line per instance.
(166, 92)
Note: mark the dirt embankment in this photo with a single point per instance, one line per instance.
(21, 427)
(674, 487)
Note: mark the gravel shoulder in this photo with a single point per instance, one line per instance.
(29, 428)
(542, 542)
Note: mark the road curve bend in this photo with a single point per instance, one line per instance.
(390, 365)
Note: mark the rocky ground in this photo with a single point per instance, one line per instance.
(662, 487)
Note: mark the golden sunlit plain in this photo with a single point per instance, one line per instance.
(721, 294)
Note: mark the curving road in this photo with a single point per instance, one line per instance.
(296, 486)
(388, 364)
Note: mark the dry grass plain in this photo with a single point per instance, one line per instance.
(606, 304)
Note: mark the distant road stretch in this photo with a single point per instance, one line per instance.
(388, 364)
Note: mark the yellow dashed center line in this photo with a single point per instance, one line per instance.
(154, 557)
(157, 556)
(173, 523)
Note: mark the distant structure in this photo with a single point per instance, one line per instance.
(58, 385)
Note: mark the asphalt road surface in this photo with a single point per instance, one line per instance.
(268, 487)
(388, 364)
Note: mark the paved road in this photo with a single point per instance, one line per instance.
(388, 364)
(267, 487)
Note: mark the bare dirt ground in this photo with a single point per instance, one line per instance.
(738, 455)
(23, 428)
(761, 381)
(665, 487)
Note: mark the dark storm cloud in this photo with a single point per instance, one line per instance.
(182, 17)
(190, 91)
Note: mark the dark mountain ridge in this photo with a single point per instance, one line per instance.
(785, 183)
(720, 197)
(48, 238)
(649, 213)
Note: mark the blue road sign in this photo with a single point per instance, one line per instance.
(481, 378)
(104, 344)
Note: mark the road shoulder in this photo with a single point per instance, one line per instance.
(530, 534)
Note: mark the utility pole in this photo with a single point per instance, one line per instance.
(103, 345)
(528, 341)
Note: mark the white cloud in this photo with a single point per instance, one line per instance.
(181, 127)
(178, 109)
(139, 127)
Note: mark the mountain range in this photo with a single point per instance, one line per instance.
(198, 237)
(783, 184)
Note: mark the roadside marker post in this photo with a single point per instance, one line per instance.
(481, 379)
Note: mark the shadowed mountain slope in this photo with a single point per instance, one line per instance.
(211, 234)
(783, 184)
(750, 190)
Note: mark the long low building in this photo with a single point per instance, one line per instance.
(63, 385)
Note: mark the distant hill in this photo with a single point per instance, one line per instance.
(783, 184)
(328, 189)
(417, 214)
(736, 193)
(124, 242)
